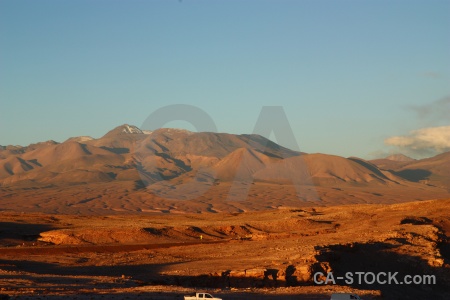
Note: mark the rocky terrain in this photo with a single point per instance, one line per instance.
(253, 255)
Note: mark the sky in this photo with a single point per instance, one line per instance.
(354, 78)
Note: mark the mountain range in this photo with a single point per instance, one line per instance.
(174, 170)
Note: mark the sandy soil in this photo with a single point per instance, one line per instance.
(161, 256)
(124, 198)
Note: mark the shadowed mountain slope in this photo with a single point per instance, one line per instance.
(431, 171)
(133, 170)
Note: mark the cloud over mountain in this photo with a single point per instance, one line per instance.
(423, 141)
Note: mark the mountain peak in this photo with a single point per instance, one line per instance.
(80, 139)
(400, 157)
(42, 144)
(124, 129)
(131, 129)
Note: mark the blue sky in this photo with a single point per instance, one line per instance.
(349, 74)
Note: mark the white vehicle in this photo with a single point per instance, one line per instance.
(345, 296)
(201, 296)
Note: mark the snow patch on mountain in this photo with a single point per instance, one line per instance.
(131, 129)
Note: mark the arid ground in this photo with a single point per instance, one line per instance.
(270, 254)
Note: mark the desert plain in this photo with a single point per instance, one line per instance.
(162, 256)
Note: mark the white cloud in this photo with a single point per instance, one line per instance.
(425, 141)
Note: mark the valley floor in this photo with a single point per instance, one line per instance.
(270, 254)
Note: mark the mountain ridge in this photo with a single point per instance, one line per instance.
(133, 170)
